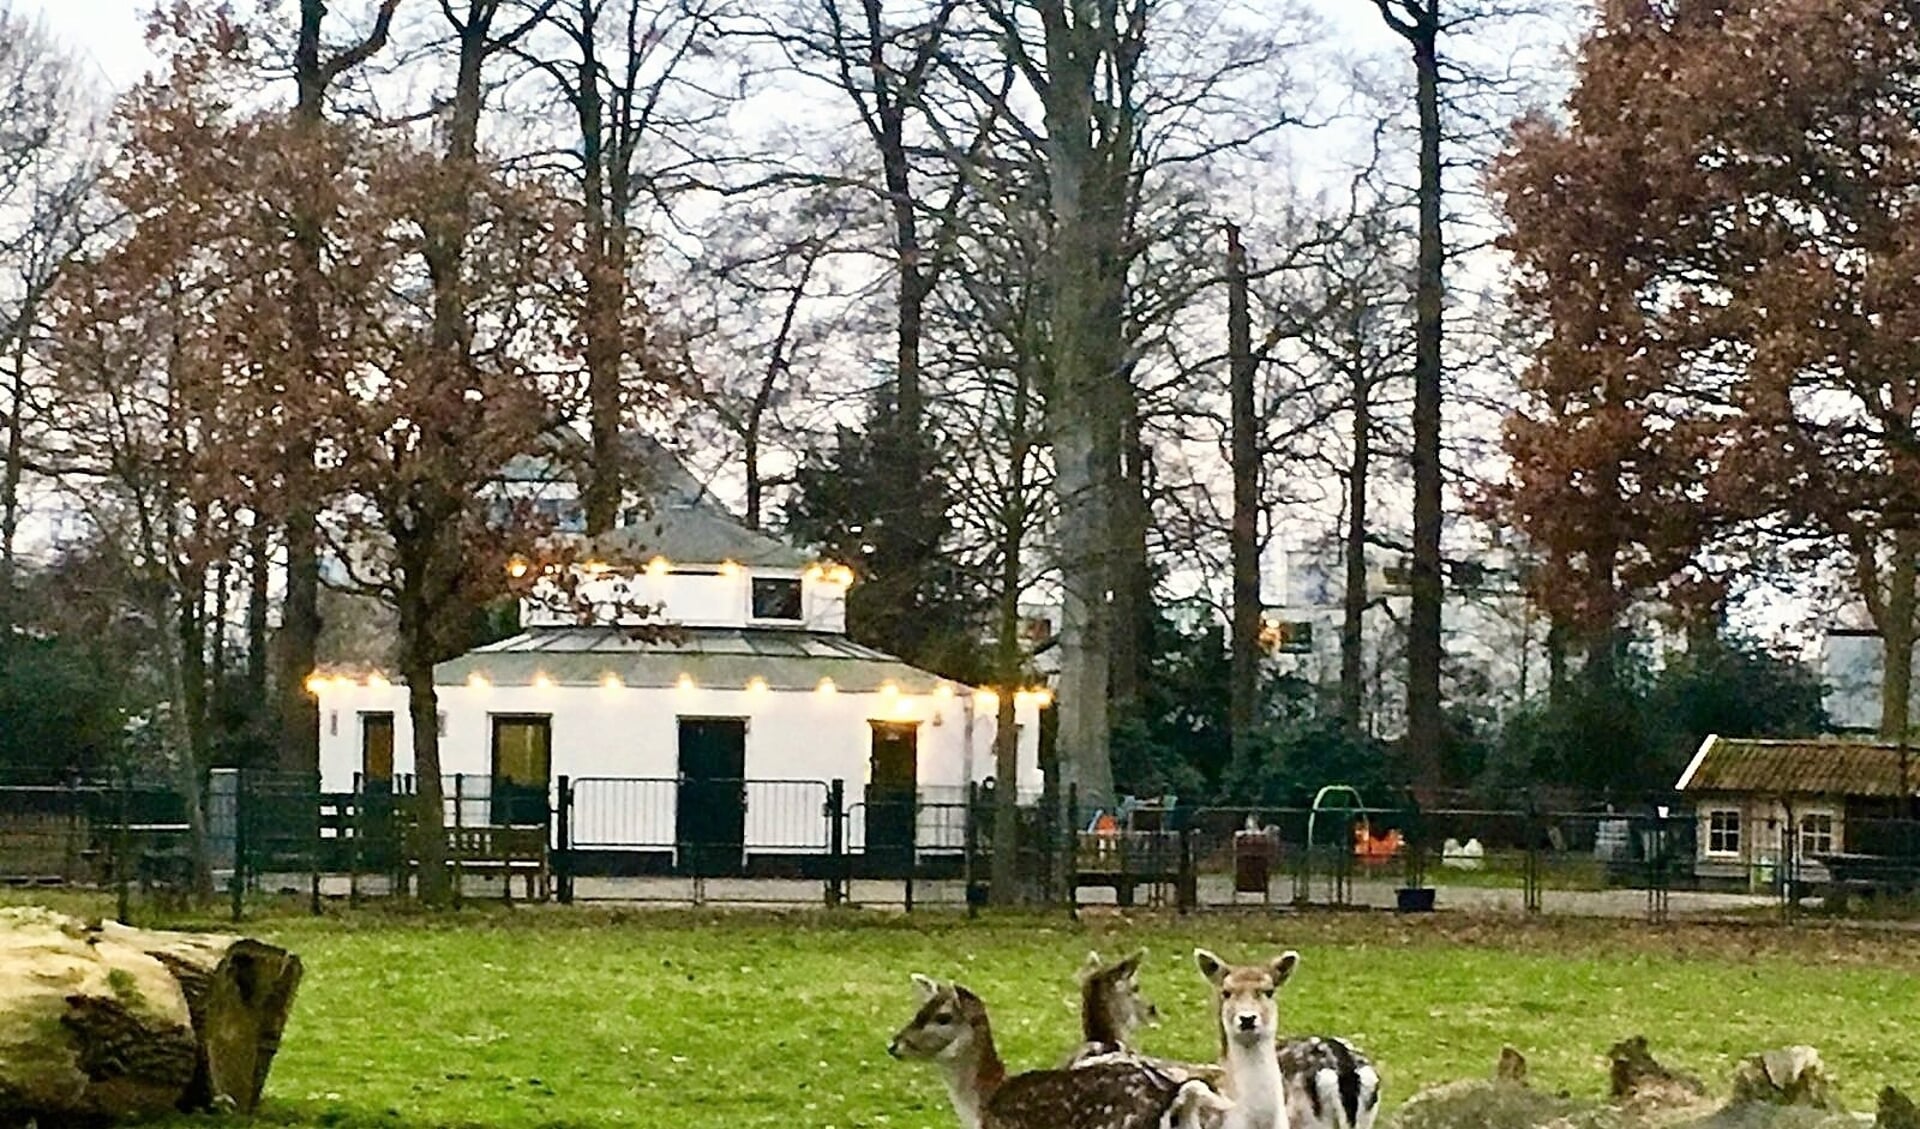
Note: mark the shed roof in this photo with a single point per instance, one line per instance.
(715, 658)
(1822, 766)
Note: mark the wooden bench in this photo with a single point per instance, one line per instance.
(1125, 860)
(507, 851)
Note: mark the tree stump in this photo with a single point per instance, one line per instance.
(1785, 1076)
(103, 1022)
(1639, 1079)
(1896, 1111)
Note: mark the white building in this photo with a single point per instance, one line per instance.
(1495, 639)
(720, 742)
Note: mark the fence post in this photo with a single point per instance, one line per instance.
(563, 838)
(1071, 840)
(969, 843)
(237, 886)
(123, 781)
(913, 843)
(1531, 873)
(459, 816)
(1187, 895)
(313, 800)
(836, 816)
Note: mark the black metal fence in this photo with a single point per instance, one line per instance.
(263, 836)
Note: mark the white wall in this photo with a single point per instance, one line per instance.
(633, 733)
(706, 599)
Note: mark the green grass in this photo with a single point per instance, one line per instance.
(585, 1018)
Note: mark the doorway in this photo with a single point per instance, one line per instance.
(710, 814)
(893, 777)
(522, 768)
(376, 752)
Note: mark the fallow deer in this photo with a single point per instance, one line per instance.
(951, 1030)
(1331, 1084)
(1112, 1007)
(1248, 1019)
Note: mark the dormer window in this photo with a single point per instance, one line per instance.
(777, 598)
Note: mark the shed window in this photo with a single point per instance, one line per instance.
(1723, 832)
(776, 597)
(1816, 833)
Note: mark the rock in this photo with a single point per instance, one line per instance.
(1512, 1067)
(1639, 1079)
(1896, 1111)
(1791, 1076)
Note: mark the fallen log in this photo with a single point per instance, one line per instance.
(103, 1022)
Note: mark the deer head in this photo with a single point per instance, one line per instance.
(1112, 1006)
(1248, 1013)
(946, 1027)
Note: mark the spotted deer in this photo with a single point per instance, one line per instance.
(951, 1030)
(1330, 1083)
(1112, 1007)
(1248, 1020)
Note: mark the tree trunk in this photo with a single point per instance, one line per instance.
(605, 293)
(191, 696)
(1004, 888)
(1243, 694)
(1086, 186)
(10, 476)
(1132, 603)
(113, 1023)
(423, 715)
(1353, 601)
(1424, 650)
(1897, 631)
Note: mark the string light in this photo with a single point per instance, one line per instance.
(889, 690)
(986, 699)
(518, 567)
(728, 568)
(477, 681)
(611, 681)
(658, 567)
(317, 684)
(826, 687)
(685, 682)
(756, 685)
(815, 573)
(541, 681)
(944, 690)
(378, 681)
(595, 568)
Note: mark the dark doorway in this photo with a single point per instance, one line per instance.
(522, 768)
(711, 813)
(893, 774)
(376, 751)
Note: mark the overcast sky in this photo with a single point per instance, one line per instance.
(110, 33)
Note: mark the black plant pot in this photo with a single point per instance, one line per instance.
(1414, 899)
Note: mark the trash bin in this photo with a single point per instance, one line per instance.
(1252, 861)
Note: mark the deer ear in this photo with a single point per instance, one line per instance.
(1131, 965)
(1283, 966)
(1091, 965)
(925, 987)
(1211, 966)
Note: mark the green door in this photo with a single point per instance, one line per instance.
(711, 811)
(893, 774)
(522, 767)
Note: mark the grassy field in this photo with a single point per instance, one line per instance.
(561, 1018)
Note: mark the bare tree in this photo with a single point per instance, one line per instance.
(50, 162)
